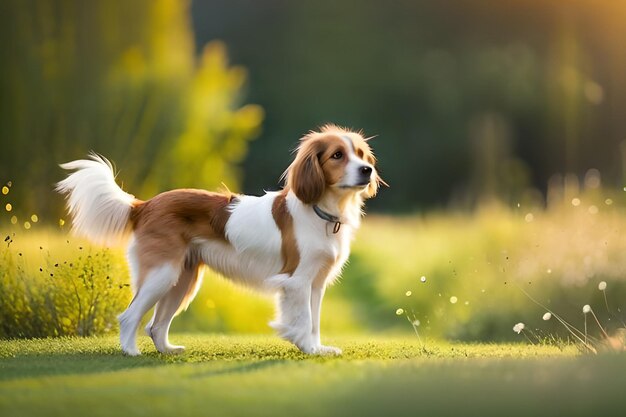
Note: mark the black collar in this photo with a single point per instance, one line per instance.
(328, 217)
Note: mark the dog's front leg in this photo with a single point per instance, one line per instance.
(317, 294)
(293, 316)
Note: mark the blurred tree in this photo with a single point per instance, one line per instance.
(420, 73)
(120, 78)
(215, 133)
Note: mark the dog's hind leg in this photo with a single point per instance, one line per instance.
(176, 300)
(157, 282)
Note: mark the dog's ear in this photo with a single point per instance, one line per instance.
(305, 175)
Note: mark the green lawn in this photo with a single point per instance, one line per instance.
(261, 375)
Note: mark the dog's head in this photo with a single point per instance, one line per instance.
(333, 160)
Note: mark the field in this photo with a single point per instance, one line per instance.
(260, 375)
(462, 281)
(455, 276)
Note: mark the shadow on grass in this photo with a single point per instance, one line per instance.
(239, 368)
(29, 366)
(50, 365)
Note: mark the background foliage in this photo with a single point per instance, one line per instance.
(469, 98)
(500, 129)
(123, 79)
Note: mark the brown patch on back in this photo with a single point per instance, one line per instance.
(289, 247)
(165, 225)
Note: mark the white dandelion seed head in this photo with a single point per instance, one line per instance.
(519, 327)
(415, 323)
(547, 316)
(586, 308)
(602, 285)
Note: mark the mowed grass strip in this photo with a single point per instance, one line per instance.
(261, 375)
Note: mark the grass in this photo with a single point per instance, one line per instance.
(482, 261)
(261, 375)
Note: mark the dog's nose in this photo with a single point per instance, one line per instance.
(366, 170)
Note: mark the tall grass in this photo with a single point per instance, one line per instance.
(59, 290)
(475, 268)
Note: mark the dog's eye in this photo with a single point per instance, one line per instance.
(337, 155)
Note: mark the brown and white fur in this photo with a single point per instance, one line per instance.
(276, 242)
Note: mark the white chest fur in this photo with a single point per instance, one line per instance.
(316, 241)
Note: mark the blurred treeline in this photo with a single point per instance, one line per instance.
(470, 99)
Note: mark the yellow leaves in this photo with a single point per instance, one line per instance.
(133, 62)
(57, 284)
(216, 130)
(171, 41)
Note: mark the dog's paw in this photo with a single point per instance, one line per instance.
(131, 351)
(327, 350)
(172, 350)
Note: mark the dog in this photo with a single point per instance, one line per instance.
(293, 242)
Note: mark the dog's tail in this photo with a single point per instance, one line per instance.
(100, 209)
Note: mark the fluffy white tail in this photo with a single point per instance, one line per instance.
(99, 207)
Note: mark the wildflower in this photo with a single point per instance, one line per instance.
(602, 285)
(586, 308)
(547, 316)
(518, 328)
(399, 312)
